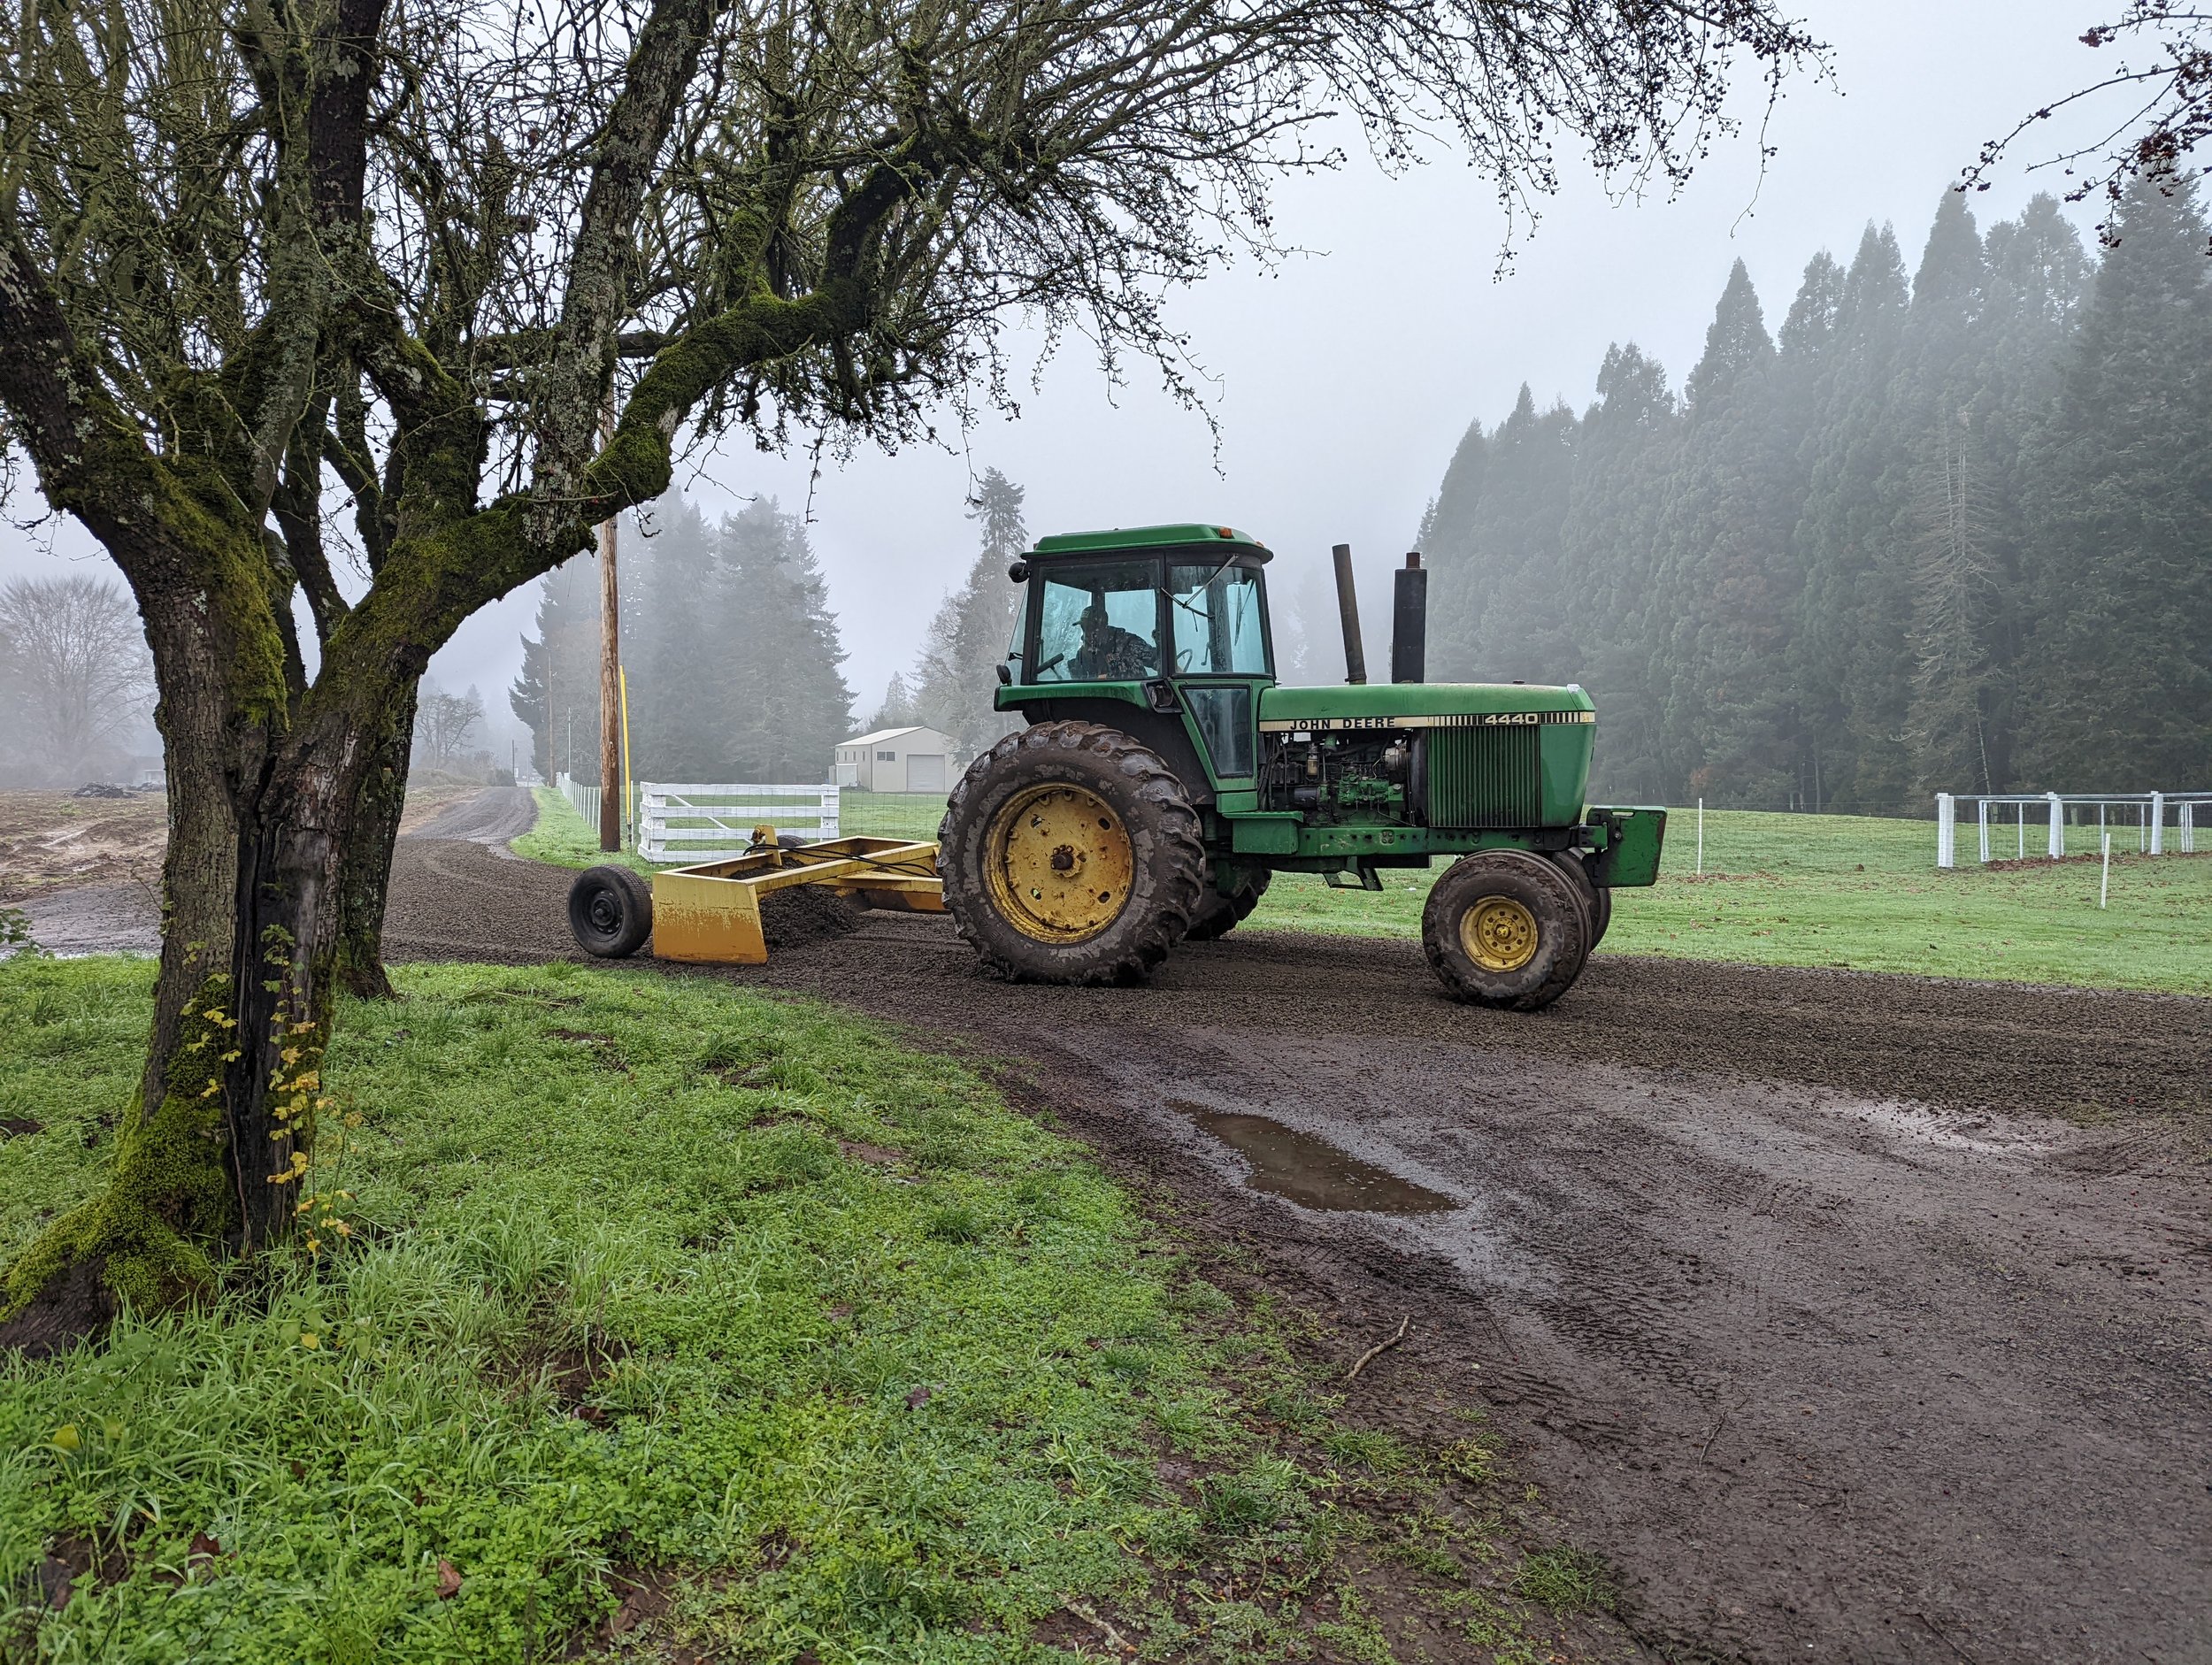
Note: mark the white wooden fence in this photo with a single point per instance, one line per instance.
(2144, 812)
(681, 823)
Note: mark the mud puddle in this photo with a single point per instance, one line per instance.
(1309, 1171)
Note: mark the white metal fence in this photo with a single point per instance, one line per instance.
(694, 823)
(2145, 814)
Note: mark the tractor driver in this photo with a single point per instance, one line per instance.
(1108, 653)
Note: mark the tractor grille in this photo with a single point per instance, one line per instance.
(1484, 777)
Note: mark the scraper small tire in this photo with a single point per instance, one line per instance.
(610, 911)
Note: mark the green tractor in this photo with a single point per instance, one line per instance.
(1165, 777)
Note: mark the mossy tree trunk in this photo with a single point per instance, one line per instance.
(365, 868)
(285, 793)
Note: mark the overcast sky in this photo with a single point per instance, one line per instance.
(1342, 381)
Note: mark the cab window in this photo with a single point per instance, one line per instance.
(1099, 624)
(1217, 613)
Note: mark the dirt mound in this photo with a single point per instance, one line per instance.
(806, 914)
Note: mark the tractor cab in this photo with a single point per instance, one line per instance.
(1164, 629)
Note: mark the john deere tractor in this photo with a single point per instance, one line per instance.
(1165, 777)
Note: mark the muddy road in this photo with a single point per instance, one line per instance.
(1831, 1372)
(1799, 1300)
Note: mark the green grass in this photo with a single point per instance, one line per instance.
(910, 815)
(650, 1276)
(880, 1369)
(561, 838)
(1862, 893)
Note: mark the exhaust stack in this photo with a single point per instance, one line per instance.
(1348, 611)
(1409, 623)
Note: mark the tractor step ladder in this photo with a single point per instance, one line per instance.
(710, 913)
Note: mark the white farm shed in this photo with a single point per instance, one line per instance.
(896, 759)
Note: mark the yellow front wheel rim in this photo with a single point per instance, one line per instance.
(1498, 934)
(1060, 863)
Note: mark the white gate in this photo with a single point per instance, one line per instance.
(683, 823)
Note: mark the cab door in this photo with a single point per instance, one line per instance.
(1220, 657)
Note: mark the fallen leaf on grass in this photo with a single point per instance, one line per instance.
(920, 1397)
(448, 1580)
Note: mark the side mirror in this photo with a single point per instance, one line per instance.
(1005, 675)
(1019, 572)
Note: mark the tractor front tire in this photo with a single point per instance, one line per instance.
(610, 911)
(1070, 854)
(1597, 897)
(1218, 915)
(1506, 929)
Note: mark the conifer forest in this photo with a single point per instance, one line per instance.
(1947, 527)
(728, 645)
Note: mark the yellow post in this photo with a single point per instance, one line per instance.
(629, 799)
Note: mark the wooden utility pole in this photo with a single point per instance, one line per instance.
(609, 681)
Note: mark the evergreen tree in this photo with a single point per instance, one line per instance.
(682, 625)
(1624, 457)
(1448, 536)
(896, 709)
(1725, 582)
(959, 672)
(1849, 648)
(2120, 656)
(1944, 528)
(1506, 608)
(728, 645)
(557, 696)
(784, 705)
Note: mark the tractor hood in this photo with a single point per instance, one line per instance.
(1339, 706)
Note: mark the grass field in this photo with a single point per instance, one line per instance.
(681, 1315)
(1862, 893)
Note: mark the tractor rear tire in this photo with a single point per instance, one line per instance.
(1070, 854)
(1506, 929)
(610, 911)
(1218, 915)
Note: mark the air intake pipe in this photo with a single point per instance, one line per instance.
(1348, 611)
(1409, 623)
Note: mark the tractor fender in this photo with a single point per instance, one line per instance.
(1161, 732)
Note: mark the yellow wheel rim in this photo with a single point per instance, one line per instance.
(1060, 863)
(1498, 934)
